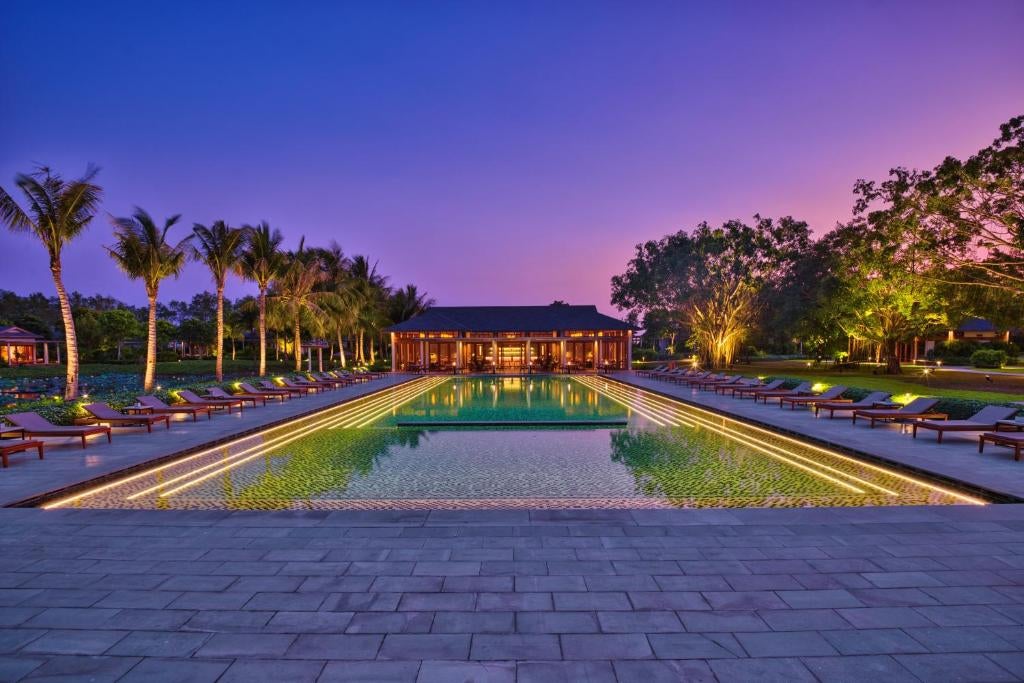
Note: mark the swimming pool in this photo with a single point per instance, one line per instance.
(513, 442)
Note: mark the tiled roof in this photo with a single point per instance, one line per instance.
(509, 319)
(16, 334)
(976, 325)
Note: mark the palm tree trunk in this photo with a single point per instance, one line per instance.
(297, 342)
(219, 371)
(149, 378)
(232, 348)
(373, 354)
(263, 331)
(360, 356)
(70, 338)
(341, 349)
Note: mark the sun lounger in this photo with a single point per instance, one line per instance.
(269, 393)
(691, 380)
(17, 446)
(36, 425)
(985, 419)
(738, 391)
(293, 383)
(727, 388)
(337, 381)
(832, 394)
(157, 406)
(918, 409)
(651, 371)
(220, 394)
(870, 401)
(191, 398)
(802, 389)
(104, 413)
(330, 382)
(344, 374)
(712, 383)
(1014, 440)
(293, 390)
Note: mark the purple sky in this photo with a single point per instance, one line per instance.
(491, 153)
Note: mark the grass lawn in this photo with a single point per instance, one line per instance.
(185, 367)
(946, 383)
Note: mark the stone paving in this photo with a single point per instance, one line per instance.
(956, 458)
(826, 594)
(67, 463)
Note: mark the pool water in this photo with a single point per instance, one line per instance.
(514, 442)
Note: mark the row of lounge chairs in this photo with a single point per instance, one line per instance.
(151, 411)
(875, 407)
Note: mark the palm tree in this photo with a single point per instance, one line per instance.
(141, 250)
(219, 247)
(407, 303)
(59, 211)
(261, 261)
(367, 293)
(297, 296)
(342, 320)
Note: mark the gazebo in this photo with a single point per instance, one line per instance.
(21, 347)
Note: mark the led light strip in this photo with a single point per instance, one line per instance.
(862, 463)
(333, 412)
(395, 402)
(236, 461)
(741, 438)
(751, 444)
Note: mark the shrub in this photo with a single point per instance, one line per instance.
(958, 348)
(988, 358)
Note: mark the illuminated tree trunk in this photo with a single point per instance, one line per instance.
(219, 367)
(149, 378)
(297, 343)
(70, 338)
(263, 331)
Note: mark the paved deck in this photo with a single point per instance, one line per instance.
(893, 594)
(956, 458)
(67, 463)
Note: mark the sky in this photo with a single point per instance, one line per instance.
(489, 152)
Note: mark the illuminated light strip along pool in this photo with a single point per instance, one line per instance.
(648, 398)
(357, 403)
(689, 421)
(392, 402)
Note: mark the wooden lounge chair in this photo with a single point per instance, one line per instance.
(679, 374)
(302, 383)
(104, 413)
(918, 409)
(727, 387)
(337, 381)
(344, 374)
(711, 383)
(870, 401)
(157, 406)
(11, 433)
(691, 380)
(36, 425)
(269, 393)
(743, 391)
(1014, 440)
(293, 390)
(19, 445)
(648, 372)
(985, 419)
(832, 394)
(193, 399)
(218, 393)
(330, 382)
(802, 389)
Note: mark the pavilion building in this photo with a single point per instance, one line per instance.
(21, 347)
(511, 339)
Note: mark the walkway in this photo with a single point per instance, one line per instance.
(893, 594)
(956, 458)
(67, 463)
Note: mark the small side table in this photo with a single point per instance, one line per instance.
(138, 410)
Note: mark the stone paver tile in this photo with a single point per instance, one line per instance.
(369, 672)
(227, 600)
(722, 622)
(771, 670)
(745, 600)
(380, 569)
(884, 617)
(407, 584)
(425, 646)
(332, 584)
(177, 671)
(515, 646)
(817, 599)
(880, 641)
(1011, 661)
(83, 668)
(271, 584)
(391, 622)
(441, 602)
(556, 622)
(630, 582)
(663, 600)
(15, 616)
(197, 583)
(74, 642)
(605, 646)
(763, 582)
(960, 639)
(218, 621)
(478, 584)
(966, 595)
(13, 639)
(333, 646)
(639, 622)
(955, 667)
(893, 597)
(474, 622)
(548, 584)
(14, 668)
(865, 668)
(901, 579)
(785, 644)
(295, 602)
(514, 602)
(159, 644)
(134, 599)
(700, 582)
(566, 672)
(577, 602)
(64, 597)
(829, 581)
(451, 568)
(692, 646)
(965, 615)
(272, 671)
(484, 672)
(663, 671)
(803, 619)
(310, 622)
(362, 602)
(266, 645)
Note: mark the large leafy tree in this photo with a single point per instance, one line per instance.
(142, 251)
(58, 211)
(713, 279)
(261, 261)
(219, 247)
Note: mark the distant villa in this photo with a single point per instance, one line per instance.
(511, 339)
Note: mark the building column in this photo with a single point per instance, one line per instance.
(597, 355)
(424, 365)
(561, 354)
(57, 346)
(529, 360)
(494, 355)
(394, 354)
(320, 358)
(10, 358)
(458, 356)
(629, 350)
(46, 353)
